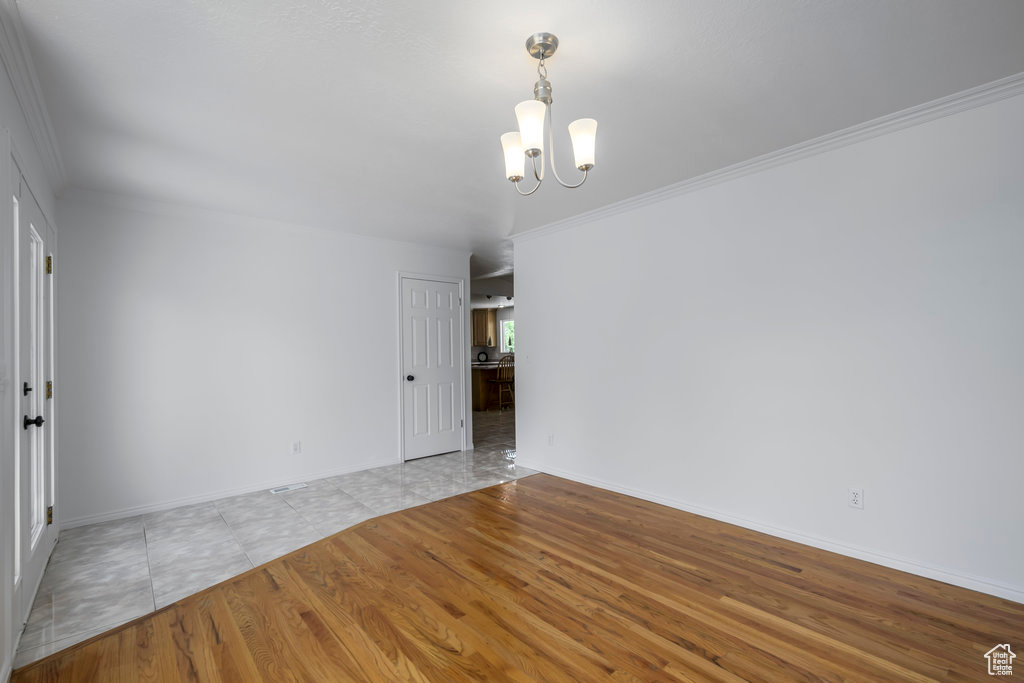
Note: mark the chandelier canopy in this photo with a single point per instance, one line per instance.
(534, 117)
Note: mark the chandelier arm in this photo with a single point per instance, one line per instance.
(527, 194)
(538, 173)
(573, 187)
(551, 154)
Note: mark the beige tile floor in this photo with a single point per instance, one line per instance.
(103, 575)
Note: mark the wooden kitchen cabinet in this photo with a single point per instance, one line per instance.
(485, 327)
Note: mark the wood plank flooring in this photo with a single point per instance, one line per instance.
(547, 579)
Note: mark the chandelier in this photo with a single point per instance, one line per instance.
(534, 117)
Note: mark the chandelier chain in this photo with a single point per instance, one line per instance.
(542, 69)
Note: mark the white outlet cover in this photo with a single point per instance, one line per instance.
(855, 498)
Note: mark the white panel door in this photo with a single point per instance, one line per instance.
(35, 462)
(432, 367)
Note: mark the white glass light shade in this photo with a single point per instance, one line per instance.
(583, 133)
(530, 115)
(515, 160)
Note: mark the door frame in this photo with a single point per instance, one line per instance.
(10, 629)
(467, 424)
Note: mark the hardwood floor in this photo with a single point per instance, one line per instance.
(547, 579)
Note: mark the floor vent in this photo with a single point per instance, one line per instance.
(289, 487)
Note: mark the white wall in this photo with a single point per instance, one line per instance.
(855, 318)
(195, 348)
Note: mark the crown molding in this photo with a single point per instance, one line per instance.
(17, 61)
(930, 111)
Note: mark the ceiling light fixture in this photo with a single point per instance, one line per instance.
(534, 116)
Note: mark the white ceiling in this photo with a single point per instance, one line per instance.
(382, 117)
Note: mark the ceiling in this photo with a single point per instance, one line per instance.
(490, 301)
(382, 117)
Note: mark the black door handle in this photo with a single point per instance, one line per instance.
(409, 378)
(25, 388)
(38, 422)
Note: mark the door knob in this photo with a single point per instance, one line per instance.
(409, 378)
(25, 388)
(38, 422)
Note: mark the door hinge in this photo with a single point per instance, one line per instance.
(49, 389)
(49, 265)
(462, 423)
(49, 515)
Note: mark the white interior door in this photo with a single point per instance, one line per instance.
(36, 534)
(433, 390)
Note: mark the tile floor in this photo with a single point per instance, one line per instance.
(102, 575)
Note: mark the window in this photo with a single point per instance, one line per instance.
(508, 336)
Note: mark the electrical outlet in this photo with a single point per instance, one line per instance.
(856, 498)
(551, 439)
(296, 447)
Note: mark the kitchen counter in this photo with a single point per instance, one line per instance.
(483, 391)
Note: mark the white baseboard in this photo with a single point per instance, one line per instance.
(977, 583)
(206, 497)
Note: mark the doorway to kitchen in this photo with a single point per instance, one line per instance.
(493, 367)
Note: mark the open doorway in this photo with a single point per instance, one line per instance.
(492, 354)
